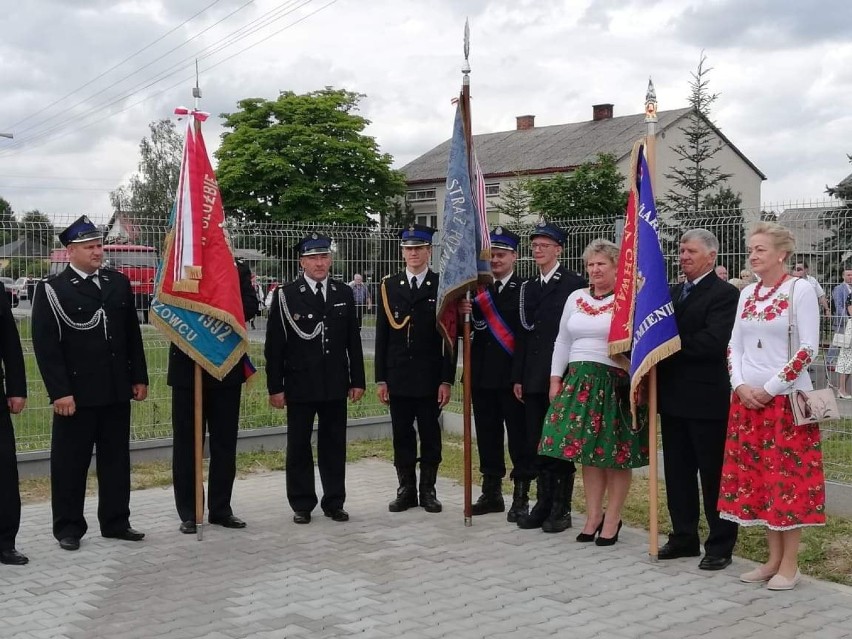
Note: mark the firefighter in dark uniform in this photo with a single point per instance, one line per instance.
(13, 398)
(414, 370)
(496, 323)
(221, 417)
(543, 298)
(314, 361)
(89, 350)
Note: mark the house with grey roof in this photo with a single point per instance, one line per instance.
(542, 151)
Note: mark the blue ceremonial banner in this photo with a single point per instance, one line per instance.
(463, 261)
(203, 337)
(655, 335)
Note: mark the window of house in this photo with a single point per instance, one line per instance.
(492, 189)
(420, 195)
(428, 220)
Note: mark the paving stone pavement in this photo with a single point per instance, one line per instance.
(410, 575)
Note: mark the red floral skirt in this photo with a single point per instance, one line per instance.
(772, 471)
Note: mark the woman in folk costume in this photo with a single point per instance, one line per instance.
(844, 357)
(589, 418)
(772, 471)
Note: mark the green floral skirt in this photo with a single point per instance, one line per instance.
(589, 421)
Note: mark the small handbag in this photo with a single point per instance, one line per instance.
(813, 406)
(844, 339)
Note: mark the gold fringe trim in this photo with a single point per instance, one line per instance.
(203, 309)
(622, 361)
(657, 355)
(198, 307)
(619, 346)
(185, 286)
(192, 272)
(394, 324)
(219, 372)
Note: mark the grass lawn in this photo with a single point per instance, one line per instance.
(826, 552)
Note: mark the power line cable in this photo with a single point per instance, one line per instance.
(130, 75)
(153, 80)
(112, 68)
(40, 140)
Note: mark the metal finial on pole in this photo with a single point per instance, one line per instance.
(466, 65)
(651, 103)
(196, 90)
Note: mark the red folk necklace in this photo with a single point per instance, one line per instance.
(771, 292)
(588, 309)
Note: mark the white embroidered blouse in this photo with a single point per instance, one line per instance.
(583, 332)
(759, 350)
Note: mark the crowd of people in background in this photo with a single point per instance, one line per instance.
(543, 381)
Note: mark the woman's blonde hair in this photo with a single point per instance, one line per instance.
(602, 246)
(781, 237)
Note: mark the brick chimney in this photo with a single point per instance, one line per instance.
(601, 112)
(525, 122)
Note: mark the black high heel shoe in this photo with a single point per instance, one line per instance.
(608, 541)
(587, 537)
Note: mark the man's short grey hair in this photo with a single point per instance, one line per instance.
(704, 236)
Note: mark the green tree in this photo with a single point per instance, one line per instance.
(834, 248)
(399, 213)
(593, 189)
(150, 193)
(37, 227)
(8, 224)
(721, 213)
(304, 157)
(515, 200)
(696, 175)
(27, 266)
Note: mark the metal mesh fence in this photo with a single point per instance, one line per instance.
(823, 233)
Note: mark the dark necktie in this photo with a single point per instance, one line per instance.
(319, 292)
(686, 290)
(92, 283)
(413, 283)
(498, 286)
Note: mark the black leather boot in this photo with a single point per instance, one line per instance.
(560, 514)
(428, 496)
(406, 494)
(491, 499)
(543, 504)
(520, 501)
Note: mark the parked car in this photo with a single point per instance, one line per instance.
(22, 283)
(11, 290)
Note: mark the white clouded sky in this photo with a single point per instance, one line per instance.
(782, 68)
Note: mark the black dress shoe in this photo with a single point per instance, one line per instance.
(231, 521)
(302, 517)
(337, 514)
(188, 527)
(129, 534)
(13, 557)
(709, 562)
(69, 543)
(668, 551)
(585, 538)
(608, 541)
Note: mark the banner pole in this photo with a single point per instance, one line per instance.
(466, 404)
(653, 465)
(199, 454)
(466, 380)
